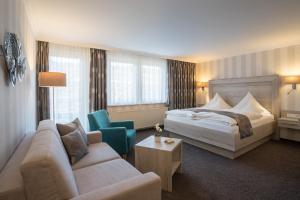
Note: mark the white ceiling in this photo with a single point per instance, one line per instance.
(192, 30)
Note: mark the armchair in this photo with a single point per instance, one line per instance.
(119, 135)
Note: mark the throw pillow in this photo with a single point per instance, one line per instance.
(65, 129)
(75, 146)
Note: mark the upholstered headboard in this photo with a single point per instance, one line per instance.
(264, 88)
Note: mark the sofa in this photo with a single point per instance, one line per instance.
(101, 174)
(11, 181)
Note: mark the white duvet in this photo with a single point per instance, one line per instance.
(206, 117)
(248, 106)
(213, 118)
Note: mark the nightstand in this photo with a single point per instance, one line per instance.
(289, 128)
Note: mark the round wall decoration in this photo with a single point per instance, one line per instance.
(14, 58)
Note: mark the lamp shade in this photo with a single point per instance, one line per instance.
(291, 79)
(52, 79)
(202, 84)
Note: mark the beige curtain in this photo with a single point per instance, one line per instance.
(98, 95)
(42, 64)
(181, 83)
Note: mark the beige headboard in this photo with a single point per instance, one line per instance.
(264, 88)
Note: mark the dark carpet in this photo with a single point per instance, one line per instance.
(271, 171)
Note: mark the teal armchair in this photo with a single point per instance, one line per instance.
(119, 135)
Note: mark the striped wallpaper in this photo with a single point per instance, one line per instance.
(282, 61)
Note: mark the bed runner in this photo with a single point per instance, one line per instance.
(245, 127)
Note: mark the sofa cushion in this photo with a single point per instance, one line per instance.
(46, 170)
(64, 129)
(103, 174)
(98, 153)
(75, 146)
(48, 125)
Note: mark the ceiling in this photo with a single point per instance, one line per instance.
(191, 30)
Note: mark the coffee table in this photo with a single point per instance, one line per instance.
(159, 157)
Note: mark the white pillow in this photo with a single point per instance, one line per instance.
(249, 105)
(217, 103)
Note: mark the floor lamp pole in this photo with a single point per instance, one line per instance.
(53, 109)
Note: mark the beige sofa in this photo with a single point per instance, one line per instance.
(11, 182)
(101, 174)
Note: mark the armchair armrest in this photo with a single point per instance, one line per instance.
(129, 124)
(94, 137)
(116, 137)
(145, 186)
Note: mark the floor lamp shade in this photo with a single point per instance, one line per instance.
(52, 79)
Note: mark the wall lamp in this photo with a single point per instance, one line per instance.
(202, 85)
(293, 80)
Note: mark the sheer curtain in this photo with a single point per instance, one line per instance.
(70, 101)
(153, 80)
(122, 82)
(134, 79)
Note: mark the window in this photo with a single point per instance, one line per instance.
(135, 79)
(71, 101)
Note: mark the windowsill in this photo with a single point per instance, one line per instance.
(136, 107)
(133, 105)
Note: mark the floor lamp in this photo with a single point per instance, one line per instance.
(51, 80)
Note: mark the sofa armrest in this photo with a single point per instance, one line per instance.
(145, 186)
(94, 137)
(127, 124)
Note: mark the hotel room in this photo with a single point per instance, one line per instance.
(156, 100)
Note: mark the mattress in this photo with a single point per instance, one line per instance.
(223, 136)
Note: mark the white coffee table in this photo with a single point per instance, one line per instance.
(162, 158)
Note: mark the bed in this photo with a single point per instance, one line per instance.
(226, 140)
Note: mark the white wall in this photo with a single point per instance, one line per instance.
(282, 61)
(144, 116)
(17, 104)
